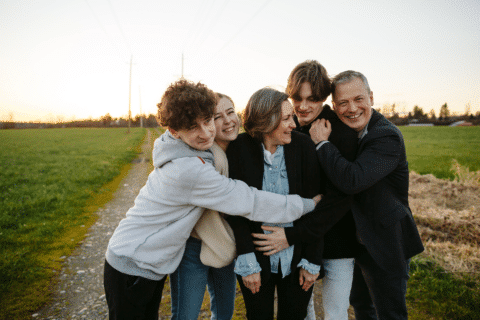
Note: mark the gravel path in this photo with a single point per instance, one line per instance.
(79, 293)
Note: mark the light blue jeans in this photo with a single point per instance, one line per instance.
(188, 284)
(336, 287)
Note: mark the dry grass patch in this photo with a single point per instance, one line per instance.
(448, 215)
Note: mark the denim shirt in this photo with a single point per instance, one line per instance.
(275, 180)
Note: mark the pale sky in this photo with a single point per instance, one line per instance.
(64, 60)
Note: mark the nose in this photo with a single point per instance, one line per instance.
(206, 130)
(291, 123)
(352, 107)
(303, 105)
(229, 118)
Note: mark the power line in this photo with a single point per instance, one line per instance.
(213, 22)
(199, 13)
(238, 32)
(119, 26)
(114, 43)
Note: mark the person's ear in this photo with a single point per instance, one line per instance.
(371, 98)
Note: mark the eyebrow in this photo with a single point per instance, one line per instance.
(231, 108)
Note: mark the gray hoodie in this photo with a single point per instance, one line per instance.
(150, 241)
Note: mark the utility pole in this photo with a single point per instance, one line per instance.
(140, 101)
(130, 96)
(182, 65)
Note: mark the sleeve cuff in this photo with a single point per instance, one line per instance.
(247, 264)
(321, 143)
(310, 267)
(308, 205)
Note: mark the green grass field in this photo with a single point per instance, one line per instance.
(48, 178)
(431, 149)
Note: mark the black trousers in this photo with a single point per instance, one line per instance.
(377, 294)
(131, 297)
(292, 299)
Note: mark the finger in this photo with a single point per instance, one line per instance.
(328, 125)
(260, 235)
(301, 279)
(269, 253)
(322, 122)
(266, 248)
(307, 285)
(269, 228)
(262, 243)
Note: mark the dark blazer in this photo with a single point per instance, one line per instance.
(340, 240)
(246, 163)
(378, 179)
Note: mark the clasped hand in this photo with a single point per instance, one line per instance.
(320, 130)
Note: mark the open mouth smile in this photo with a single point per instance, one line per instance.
(228, 130)
(354, 116)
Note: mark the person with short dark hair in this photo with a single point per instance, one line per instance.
(378, 179)
(149, 242)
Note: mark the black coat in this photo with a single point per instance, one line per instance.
(246, 163)
(378, 179)
(340, 240)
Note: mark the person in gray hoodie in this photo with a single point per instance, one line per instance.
(149, 242)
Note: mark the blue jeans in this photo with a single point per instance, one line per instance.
(336, 287)
(188, 284)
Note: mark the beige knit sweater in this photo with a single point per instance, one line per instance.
(218, 241)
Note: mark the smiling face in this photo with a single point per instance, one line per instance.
(353, 103)
(283, 133)
(200, 136)
(226, 123)
(307, 108)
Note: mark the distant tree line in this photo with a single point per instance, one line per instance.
(106, 121)
(417, 115)
(391, 111)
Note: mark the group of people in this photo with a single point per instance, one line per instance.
(307, 192)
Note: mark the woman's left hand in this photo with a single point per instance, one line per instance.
(271, 243)
(307, 279)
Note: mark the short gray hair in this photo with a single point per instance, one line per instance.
(347, 76)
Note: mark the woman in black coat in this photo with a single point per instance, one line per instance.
(272, 157)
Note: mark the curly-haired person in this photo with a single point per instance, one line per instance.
(149, 242)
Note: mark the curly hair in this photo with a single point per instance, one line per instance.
(313, 72)
(183, 103)
(263, 112)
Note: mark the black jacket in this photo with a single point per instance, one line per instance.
(246, 163)
(340, 240)
(378, 179)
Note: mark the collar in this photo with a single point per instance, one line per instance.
(268, 156)
(363, 133)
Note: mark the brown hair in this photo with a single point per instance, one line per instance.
(313, 72)
(263, 112)
(221, 95)
(183, 103)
